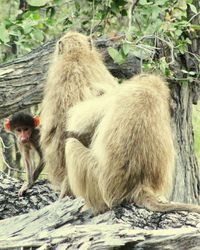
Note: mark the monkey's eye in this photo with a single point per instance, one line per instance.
(22, 129)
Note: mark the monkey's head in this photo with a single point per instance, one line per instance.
(74, 44)
(22, 124)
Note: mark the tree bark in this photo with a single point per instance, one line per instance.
(186, 187)
(187, 179)
(62, 225)
(21, 81)
(39, 196)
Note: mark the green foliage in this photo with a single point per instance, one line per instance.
(4, 36)
(37, 3)
(29, 28)
(160, 30)
(120, 56)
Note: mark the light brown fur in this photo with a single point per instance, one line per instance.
(76, 73)
(131, 157)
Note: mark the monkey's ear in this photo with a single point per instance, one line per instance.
(60, 47)
(7, 124)
(36, 119)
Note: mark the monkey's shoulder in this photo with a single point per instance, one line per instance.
(35, 135)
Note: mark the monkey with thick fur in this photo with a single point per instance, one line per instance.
(25, 128)
(76, 73)
(131, 156)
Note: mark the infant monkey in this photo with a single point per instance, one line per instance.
(25, 128)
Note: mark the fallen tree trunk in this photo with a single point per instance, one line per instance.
(62, 226)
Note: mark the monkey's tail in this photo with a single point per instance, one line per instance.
(152, 203)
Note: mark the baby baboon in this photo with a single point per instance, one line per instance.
(131, 156)
(25, 128)
(76, 73)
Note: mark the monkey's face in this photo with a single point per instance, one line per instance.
(23, 134)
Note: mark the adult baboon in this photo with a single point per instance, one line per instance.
(76, 73)
(131, 156)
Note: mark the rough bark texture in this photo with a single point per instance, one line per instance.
(39, 196)
(187, 179)
(22, 81)
(62, 225)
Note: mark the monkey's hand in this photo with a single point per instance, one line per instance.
(24, 188)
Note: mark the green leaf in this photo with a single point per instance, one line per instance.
(184, 83)
(145, 2)
(114, 8)
(37, 3)
(178, 32)
(195, 26)
(164, 67)
(35, 16)
(57, 1)
(67, 21)
(77, 6)
(124, 12)
(50, 11)
(121, 2)
(155, 12)
(192, 73)
(37, 35)
(4, 35)
(193, 8)
(8, 23)
(188, 41)
(184, 71)
(26, 26)
(116, 55)
(126, 48)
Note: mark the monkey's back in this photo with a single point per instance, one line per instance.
(136, 143)
(76, 73)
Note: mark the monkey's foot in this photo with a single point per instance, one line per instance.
(162, 199)
(23, 189)
(84, 208)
